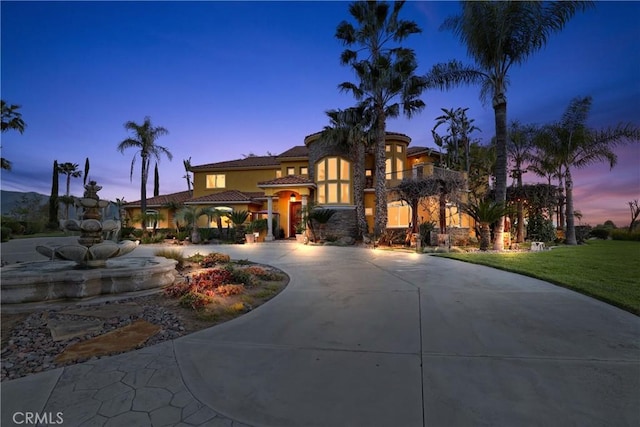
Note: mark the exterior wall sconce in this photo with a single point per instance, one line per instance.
(292, 198)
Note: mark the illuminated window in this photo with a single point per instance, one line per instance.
(399, 168)
(398, 215)
(399, 149)
(304, 170)
(387, 148)
(278, 173)
(387, 168)
(368, 211)
(368, 172)
(291, 170)
(333, 178)
(216, 181)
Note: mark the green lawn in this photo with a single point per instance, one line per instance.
(606, 270)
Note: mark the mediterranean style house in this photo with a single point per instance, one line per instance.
(279, 187)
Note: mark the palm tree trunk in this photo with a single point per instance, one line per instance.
(570, 232)
(485, 236)
(520, 207)
(500, 109)
(443, 212)
(143, 192)
(358, 188)
(380, 223)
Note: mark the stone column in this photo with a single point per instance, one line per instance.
(304, 202)
(269, 219)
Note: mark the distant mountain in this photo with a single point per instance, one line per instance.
(11, 199)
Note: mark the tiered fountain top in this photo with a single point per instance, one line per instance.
(92, 250)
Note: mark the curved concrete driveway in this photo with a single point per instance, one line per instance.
(376, 338)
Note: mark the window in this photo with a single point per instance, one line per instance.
(418, 171)
(153, 218)
(368, 211)
(399, 149)
(387, 169)
(333, 177)
(304, 170)
(216, 181)
(291, 170)
(399, 168)
(387, 148)
(398, 215)
(278, 173)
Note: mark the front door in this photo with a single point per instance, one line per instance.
(295, 216)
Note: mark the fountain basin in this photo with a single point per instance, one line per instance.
(55, 280)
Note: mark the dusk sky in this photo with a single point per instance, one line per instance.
(232, 78)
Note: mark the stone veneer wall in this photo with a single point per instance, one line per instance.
(319, 149)
(343, 223)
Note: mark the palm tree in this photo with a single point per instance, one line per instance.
(11, 120)
(354, 128)
(238, 218)
(386, 79)
(457, 141)
(498, 35)
(190, 215)
(144, 140)
(519, 146)
(485, 212)
(71, 171)
(187, 168)
(574, 145)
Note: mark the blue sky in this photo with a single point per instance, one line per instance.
(232, 78)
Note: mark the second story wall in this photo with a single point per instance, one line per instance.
(241, 179)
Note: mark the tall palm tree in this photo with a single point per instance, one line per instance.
(71, 171)
(386, 76)
(354, 128)
(498, 35)
(519, 146)
(11, 120)
(144, 140)
(574, 145)
(187, 169)
(457, 140)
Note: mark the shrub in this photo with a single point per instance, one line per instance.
(229, 290)
(600, 232)
(582, 233)
(128, 231)
(13, 224)
(210, 279)
(5, 234)
(177, 289)
(540, 229)
(153, 238)
(171, 254)
(206, 233)
(621, 234)
(262, 273)
(195, 300)
(34, 227)
(197, 258)
(240, 275)
(425, 232)
(214, 258)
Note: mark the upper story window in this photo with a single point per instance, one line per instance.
(399, 149)
(304, 170)
(333, 178)
(216, 180)
(291, 170)
(278, 173)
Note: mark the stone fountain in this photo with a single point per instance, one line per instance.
(89, 268)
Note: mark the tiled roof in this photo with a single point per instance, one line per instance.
(287, 180)
(388, 134)
(247, 162)
(297, 151)
(179, 197)
(229, 196)
(414, 151)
